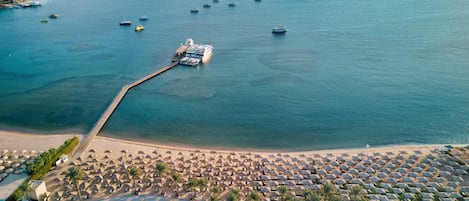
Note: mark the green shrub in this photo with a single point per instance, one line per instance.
(43, 163)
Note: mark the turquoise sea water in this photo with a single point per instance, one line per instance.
(346, 74)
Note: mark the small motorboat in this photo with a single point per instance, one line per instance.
(125, 22)
(207, 5)
(232, 4)
(139, 27)
(279, 29)
(194, 10)
(54, 16)
(143, 18)
(35, 3)
(215, 1)
(44, 21)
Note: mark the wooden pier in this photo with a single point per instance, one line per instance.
(85, 142)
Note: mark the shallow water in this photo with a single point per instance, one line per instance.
(346, 74)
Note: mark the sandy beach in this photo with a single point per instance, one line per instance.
(413, 169)
(29, 141)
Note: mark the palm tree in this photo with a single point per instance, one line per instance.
(216, 190)
(134, 172)
(356, 193)
(255, 196)
(74, 174)
(202, 183)
(327, 190)
(161, 168)
(283, 190)
(191, 183)
(309, 195)
(234, 195)
(314, 197)
(26, 188)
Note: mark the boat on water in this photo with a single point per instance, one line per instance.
(279, 29)
(207, 5)
(44, 21)
(139, 27)
(194, 10)
(24, 5)
(196, 53)
(125, 22)
(232, 4)
(143, 18)
(35, 3)
(54, 16)
(215, 1)
(257, 0)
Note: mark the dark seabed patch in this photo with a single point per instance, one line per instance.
(70, 103)
(83, 47)
(293, 61)
(5, 75)
(101, 57)
(188, 88)
(275, 79)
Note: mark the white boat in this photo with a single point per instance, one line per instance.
(279, 29)
(35, 3)
(196, 53)
(143, 18)
(125, 22)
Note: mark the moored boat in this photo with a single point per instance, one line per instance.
(279, 29)
(35, 3)
(194, 10)
(207, 5)
(139, 27)
(44, 21)
(215, 1)
(232, 4)
(196, 53)
(143, 18)
(54, 16)
(125, 22)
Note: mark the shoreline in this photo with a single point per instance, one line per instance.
(244, 169)
(15, 139)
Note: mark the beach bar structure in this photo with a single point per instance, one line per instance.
(38, 190)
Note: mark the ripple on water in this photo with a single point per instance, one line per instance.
(188, 88)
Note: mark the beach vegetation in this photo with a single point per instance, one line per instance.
(74, 175)
(234, 195)
(134, 173)
(314, 196)
(255, 196)
(161, 168)
(418, 197)
(356, 193)
(191, 183)
(43, 163)
(283, 190)
(216, 190)
(327, 190)
(176, 177)
(436, 197)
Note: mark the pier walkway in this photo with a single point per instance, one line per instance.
(85, 142)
